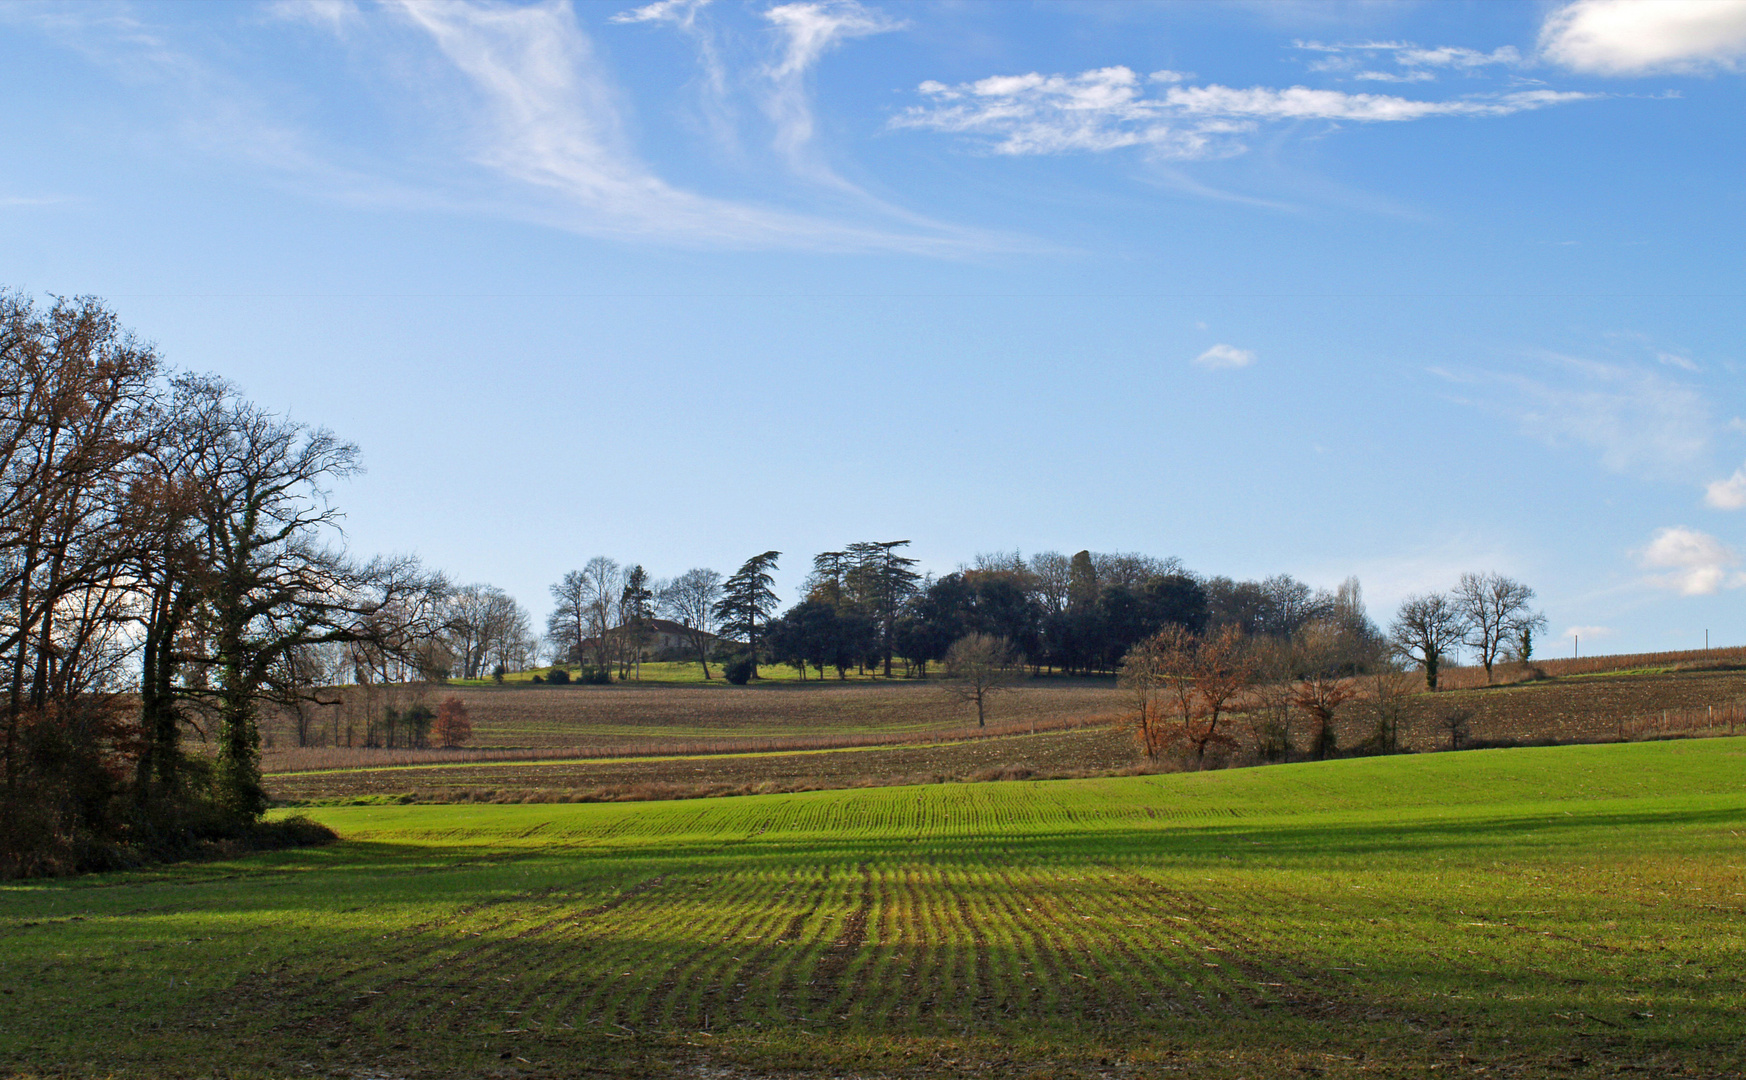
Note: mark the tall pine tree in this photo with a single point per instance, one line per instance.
(747, 601)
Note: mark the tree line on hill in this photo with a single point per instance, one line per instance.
(171, 569)
(866, 608)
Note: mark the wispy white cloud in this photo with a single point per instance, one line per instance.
(335, 16)
(1592, 633)
(1394, 76)
(1692, 563)
(548, 117)
(1683, 363)
(1432, 567)
(774, 74)
(678, 12)
(1109, 108)
(809, 30)
(1452, 56)
(1729, 494)
(1631, 37)
(515, 91)
(1358, 59)
(1221, 357)
(1640, 421)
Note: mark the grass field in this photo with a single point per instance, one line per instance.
(1570, 911)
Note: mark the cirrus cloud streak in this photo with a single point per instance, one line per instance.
(1110, 108)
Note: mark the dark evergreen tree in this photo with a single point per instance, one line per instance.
(881, 580)
(747, 600)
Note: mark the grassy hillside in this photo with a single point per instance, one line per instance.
(1567, 911)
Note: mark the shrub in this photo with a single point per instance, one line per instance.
(739, 670)
(590, 675)
(558, 677)
(452, 727)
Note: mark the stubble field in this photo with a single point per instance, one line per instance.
(658, 741)
(1569, 911)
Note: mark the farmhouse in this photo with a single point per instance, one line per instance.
(662, 639)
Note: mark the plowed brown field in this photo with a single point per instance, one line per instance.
(643, 742)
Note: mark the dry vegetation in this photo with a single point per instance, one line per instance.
(678, 741)
(718, 718)
(1469, 678)
(1098, 750)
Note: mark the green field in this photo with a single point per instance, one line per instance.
(1571, 911)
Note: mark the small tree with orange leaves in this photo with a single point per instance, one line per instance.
(1142, 675)
(452, 727)
(1223, 668)
(1159, 671)
(1323, 682)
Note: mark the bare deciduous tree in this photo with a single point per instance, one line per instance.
(1324, 682)
(1052, 578)
(1144, 676)
(1388, 694)
(978, 666)
(1496, 613)
(567, 626)
(690, 600)
(269, 579)
(602, 588)
(1427, 627)
(1454, 721)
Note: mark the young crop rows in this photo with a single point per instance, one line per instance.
(1502, 908)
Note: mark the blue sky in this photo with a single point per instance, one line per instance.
(1388, 289)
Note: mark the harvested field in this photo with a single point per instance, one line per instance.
(1086, 737)
(628, 715)
(1091, 751)
(1560, 912)
(1469, 678)
(1584, 708)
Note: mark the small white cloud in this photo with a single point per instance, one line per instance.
(1630, 37)
(1593, 633)
(1737, 424)
(1729, 494)
(1697, 564)
(1221, 357)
